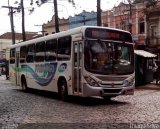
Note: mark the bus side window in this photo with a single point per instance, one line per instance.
(12, 56)
(31, 53)
(51, 50)
(40, 52)
(23, 52)
(64, 48)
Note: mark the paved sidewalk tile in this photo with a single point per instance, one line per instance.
(150, 86)
(2, 77)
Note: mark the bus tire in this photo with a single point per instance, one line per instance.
(24, 84)
(62, 89)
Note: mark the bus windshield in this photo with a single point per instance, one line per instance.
(106, 57)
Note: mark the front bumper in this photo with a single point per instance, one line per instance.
(112, 92)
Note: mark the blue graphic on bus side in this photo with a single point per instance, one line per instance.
(47, 72)
(62, 67)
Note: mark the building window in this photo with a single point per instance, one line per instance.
(31, 53)
(123, 25)
(23, 52)
(117, 26)
(51, 50)
(105, 24)
(40, 52)
(141, 26)
(153, 31)
(64, 48)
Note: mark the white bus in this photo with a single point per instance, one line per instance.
(84, 61)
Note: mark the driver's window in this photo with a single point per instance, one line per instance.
(99, 55)
(125, 53)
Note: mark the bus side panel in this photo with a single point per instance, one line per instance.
(32, 76)
(41, 76)
(64, 69)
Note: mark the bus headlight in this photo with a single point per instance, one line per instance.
(128, 82)
(131, 82)
(125, 83)
(91, 81)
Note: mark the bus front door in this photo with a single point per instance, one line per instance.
(17, 69)
(77, 86)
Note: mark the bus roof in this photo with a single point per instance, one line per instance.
(62, 34)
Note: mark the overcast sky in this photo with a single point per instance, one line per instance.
(44, 13)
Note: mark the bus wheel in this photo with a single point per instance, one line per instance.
(24, 84)
(63, 92)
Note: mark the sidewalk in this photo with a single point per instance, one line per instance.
(2, 77)
(150, 86)
(3, 80)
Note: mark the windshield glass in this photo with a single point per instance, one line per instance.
(106, 57)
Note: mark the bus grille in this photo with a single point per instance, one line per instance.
(112, 90)
(108, 78)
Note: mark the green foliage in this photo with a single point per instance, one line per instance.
(149, 2)
(40, 2)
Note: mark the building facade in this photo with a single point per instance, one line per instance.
(84, 18)
(127, 17)
(49, 28)
(145, 28)
(6, 42)
(153, 30)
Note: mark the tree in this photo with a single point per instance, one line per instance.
(99, 13)
(150, 5)
(23, 22)
(138, 1)
(130, 15)
(21, 9)
(150, 2)
(39, 3)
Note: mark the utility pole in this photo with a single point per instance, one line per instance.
(130, 16)
(99, 23)
(56, 16)
(84, 19)
(12, 26)
(12, 21)
(23, 22)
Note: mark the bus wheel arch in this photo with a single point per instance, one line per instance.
(62, 88)
(24, 83)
